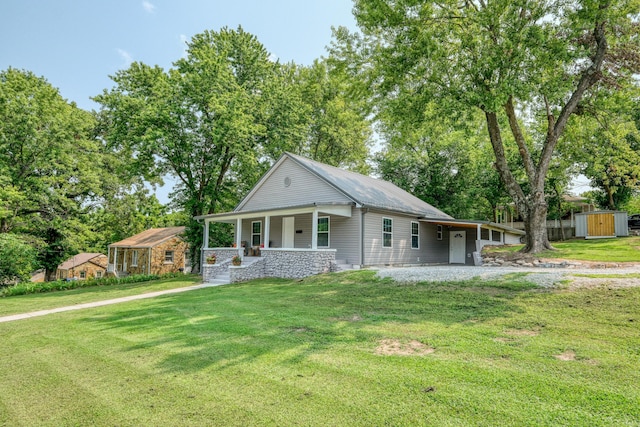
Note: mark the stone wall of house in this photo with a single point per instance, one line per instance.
(158, 263)
(126, 254)
(244, 273)
(296, 264)
(90, 270)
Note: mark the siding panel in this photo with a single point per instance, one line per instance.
(304, 188)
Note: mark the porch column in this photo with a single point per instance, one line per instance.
(206, 234)
(314, 229)
(115, 260)
(267, 226)
(479, 234)
(239, 236)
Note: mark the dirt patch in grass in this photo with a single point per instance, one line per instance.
(390, 347)
(567, 356)
(522, 332)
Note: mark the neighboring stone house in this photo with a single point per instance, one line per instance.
(154, 251)
(83, 266)
(304, 217)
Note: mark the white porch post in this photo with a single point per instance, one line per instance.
(479, 234)
(239, 236)
(314, 229)
(205, 238)
(115, 260)
(267, 224)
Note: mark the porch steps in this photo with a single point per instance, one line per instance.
(220, 279)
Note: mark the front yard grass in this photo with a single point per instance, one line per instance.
(34, 302)
(621, 249)
(343, 349)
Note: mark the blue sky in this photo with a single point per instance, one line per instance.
(77, 44)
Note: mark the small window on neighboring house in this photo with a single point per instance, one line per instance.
(168, 257)
(323, 232)
(415, 235)
(439, 232)
(134, 259)
(256, 233)
(98, 274)
(83, 274)
(387, 232)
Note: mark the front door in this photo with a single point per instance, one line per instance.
(288, 231)
(457, 247)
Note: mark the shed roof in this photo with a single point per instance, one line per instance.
(79, 259)
(149, 238)
(364, 190)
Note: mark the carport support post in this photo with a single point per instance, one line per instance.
(479, 234)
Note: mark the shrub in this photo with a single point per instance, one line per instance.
(63, 285)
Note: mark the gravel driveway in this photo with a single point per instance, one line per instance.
(546, 277)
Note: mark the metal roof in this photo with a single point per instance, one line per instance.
(149, 238)
(369, 192)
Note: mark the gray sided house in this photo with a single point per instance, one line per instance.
(304, 217)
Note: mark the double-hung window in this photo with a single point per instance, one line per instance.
(387, 232)
(323, 232)
(256, 233)
(415, 235)
(134, 259)
(168, 257)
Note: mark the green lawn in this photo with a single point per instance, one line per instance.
(324, 351)
(621, 249)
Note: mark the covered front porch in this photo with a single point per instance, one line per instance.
(294, 242)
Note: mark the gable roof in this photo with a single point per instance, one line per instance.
(79, 259)
(149, 238)
(361, 189)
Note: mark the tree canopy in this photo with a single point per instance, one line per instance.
(525, 65)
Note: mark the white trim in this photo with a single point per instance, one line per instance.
(328, 232)
(231, 217)
(417, 234)
(387, 232)
(267, 230)
(314, 229)
(299, 250)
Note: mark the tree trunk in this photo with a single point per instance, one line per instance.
(535, 220)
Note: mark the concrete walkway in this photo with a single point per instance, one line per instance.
(101, 303)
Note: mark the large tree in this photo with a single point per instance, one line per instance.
(520, 63)
(211, 121)
(50, 166)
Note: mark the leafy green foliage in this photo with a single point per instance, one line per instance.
(50, 165)
(525, 67)
(17, 259)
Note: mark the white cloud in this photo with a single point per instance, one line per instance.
(126, 56)
(148, 6)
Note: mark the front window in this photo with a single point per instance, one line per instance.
(439, 232)
(387, 232)
(415, 235)
(83, 275)
(98, 274)
(168, 257)
(256, 233)
(323, 232)
(134, 259)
